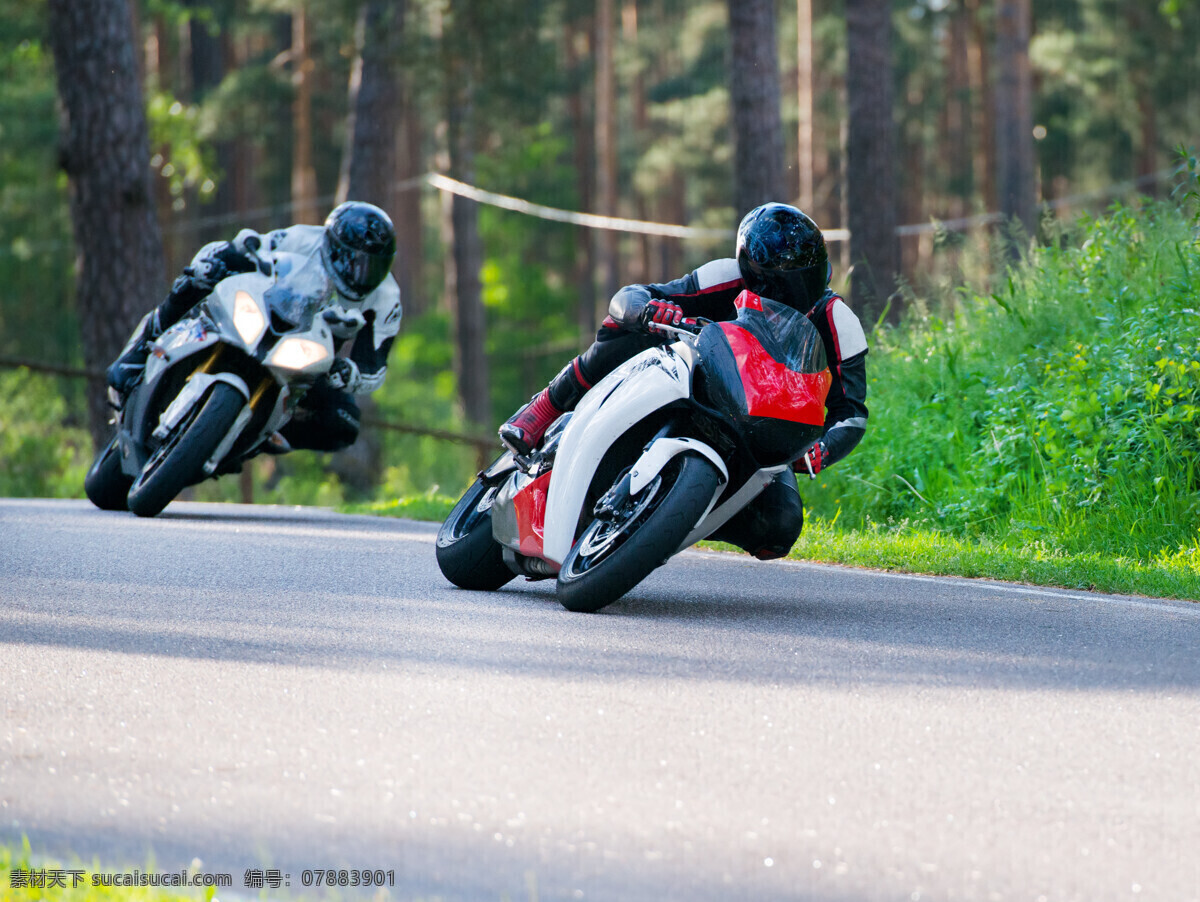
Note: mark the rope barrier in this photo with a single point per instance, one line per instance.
(615, 223)
(590, 220)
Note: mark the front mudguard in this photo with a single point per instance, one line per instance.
(656, 456)
(644, 384)
(133, 457)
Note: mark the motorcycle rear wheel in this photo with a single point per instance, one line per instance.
(467, 553)
(106, 484)
(178, 461)
(613, 556)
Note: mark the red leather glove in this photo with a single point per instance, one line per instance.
(663, 312)
(811, 461)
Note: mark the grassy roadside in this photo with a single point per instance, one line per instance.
(25, 877)
(921, 551)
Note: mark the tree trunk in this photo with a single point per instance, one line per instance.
(639, 265)
(304, 173)
(369, 156)
(410, 166)
(606, 145)
(870, 175)
(957, 113)
(104, 151)
(984, 124)
(1014, 117)
(210, 57)
(1140, 21)
(755, 96)
(805, 104)
(584, 160)
(463, 283)
(368, 173)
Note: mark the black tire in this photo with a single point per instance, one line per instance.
(653, 529)
(467, 553)
(106, 484)
(177, 462)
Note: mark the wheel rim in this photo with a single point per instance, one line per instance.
(602, 537)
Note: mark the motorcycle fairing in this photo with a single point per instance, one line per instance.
(166, 394)
(193, 390)
(647, 382)
(771, 389)
(506, 524)
(766, 373)
(781, 360)
(529, 505)
(661, 450)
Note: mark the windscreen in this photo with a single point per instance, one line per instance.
(301, 290)
(800, 347)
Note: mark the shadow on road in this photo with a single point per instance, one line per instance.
(354, 592)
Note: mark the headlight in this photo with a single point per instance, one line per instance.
(248, 318)
(297, 354)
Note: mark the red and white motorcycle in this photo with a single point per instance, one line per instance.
(658, 455)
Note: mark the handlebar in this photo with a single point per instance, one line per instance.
(687, 328)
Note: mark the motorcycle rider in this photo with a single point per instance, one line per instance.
(357, 245)
(780, 255)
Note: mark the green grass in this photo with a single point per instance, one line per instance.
(430, 506)
(923, 551)
(1059, 411)
(910, 550)
(25, 877)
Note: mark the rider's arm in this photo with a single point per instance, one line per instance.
(846, 403)
(708, 291)
(382, 312)
(370, 358)
(846, 409)
(219, 259)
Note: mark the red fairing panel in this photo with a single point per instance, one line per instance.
(530, 507)
(748, 300)
(772, 390)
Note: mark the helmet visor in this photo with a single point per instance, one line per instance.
(357, 272)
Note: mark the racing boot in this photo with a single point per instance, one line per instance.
(187, 291)
(124, 372)
(526, 427)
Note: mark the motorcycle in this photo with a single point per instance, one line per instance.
(658, 455)
(219, 383)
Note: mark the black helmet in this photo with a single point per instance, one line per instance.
(358, 248)
(781, 255)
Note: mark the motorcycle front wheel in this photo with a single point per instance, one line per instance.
(178, 461)
(467, 553)
(106, 484)
(616, 553)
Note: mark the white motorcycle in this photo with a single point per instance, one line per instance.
(219, 383)
(658, 455)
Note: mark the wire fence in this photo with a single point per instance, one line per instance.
(483, 445)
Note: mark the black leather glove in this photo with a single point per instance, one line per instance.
(344, 375)
(812, 461)
(662, 312)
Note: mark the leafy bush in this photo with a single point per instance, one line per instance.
(42, 454)
(1063, 408)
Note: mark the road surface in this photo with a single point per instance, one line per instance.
(290, 690)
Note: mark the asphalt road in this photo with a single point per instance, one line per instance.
(286, 689)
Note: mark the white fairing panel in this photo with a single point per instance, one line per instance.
(641, 385)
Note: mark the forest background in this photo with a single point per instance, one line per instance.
(1006, 185)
